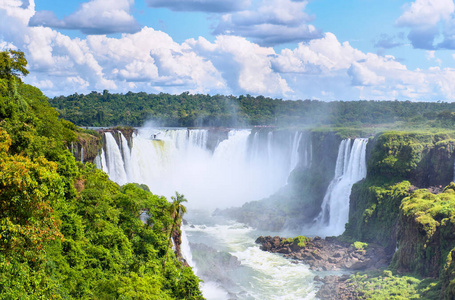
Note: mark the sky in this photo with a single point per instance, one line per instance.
(288, 49)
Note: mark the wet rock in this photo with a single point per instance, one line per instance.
(328, 253)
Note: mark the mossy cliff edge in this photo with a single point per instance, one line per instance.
(403, 205)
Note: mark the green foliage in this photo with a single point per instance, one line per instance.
(106, 109)
(429, 210)
(375, 211)
(448, 276)
(360, 245)
(426, 231)
(299, 241)
(66, 230)
(12, 65)
(386, 286)
(398, 155)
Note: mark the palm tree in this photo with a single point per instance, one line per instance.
(177, 209)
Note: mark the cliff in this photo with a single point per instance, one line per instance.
(398, 163)
(403, 206)
(300, 200)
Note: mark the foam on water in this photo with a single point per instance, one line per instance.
(244, 167)
(261, 275)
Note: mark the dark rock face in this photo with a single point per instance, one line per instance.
(217, 266)
(336, 288)
(300, 201)
(86, 147)
(216, 136)
(328, 254)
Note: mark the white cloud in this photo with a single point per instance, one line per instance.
(245, 66)
(430, 54)
(14, 9)
(425, 18)
(352, 74)
(145, 60)
(362, 75)
(426, 12)
(151, 61)
(272, 22)
(93, 17)
(324, 55)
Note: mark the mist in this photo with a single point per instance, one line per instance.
(212, 168)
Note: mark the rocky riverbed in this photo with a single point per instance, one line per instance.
(329, 254)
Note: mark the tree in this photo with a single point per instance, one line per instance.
(177, 210)
(12, 65)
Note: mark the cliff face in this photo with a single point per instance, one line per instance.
(90, 142)
(87, 146)
(397, 161)
(402, 204)
(425, 159)
(426, 231)
(308, 185)
(300, 201)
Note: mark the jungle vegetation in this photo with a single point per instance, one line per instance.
(187, 110)
(66, 230)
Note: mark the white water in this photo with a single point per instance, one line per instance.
(236, 268)
(114, 161)
(350, 168)
(243, 167)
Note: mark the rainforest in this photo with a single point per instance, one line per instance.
(357, 197)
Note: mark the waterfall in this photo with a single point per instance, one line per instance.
(295, 151)
(350, 168)
(244, 167)
(186, 251)
(114, 159)
(269, 146)
(126, 154)
(82, 155)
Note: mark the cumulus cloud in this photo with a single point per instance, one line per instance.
(326, 54)
(93, 17)
(361, 75)
(426, 13)
(144, 61)
(328, 69)
(215, 6)
(424, 18)
(245, 66)
(151, 61)
(272, 22)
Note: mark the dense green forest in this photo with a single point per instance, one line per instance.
(66, 230)
(106, 109)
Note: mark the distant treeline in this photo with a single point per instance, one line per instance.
(106, 109)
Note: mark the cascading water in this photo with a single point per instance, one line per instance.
(248, 165)
(114, 160)
(241, 168)
(350, 168)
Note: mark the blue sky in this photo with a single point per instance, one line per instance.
(289, 49)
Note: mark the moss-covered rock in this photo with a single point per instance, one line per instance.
(374, 212)
(420, 157)
(88, 145)
(448, 277)
(426, 232)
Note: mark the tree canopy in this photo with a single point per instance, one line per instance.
(134, 109)
(66, 230)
